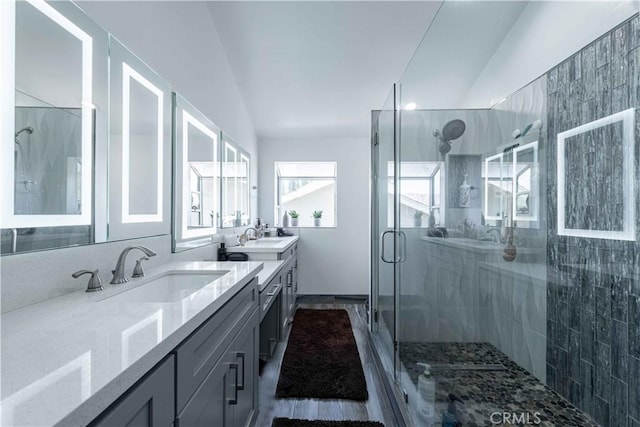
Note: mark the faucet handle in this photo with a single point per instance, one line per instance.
(95, 283)
(138, 271)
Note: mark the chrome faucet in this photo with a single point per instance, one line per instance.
(118, 274)
(255, 232)
(497, 238)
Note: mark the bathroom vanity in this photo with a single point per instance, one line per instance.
(464, 288)
(278, 286)
(178, 346)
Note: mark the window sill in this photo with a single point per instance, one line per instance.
(310, 226)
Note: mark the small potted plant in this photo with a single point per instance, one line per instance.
(294, 218)
(317, 217)
(417, 218)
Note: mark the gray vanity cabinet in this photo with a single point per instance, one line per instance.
(244, 353)
(294, 288)
(201, 351)
(228, 397)
(217, 366)
(209, 380)
(150, 403)
(286, 291)
(270, 314)
(289, 290)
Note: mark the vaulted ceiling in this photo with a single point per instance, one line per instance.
(310, 69)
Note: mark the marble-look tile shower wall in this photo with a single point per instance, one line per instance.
(593, 294)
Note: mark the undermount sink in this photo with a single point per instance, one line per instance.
(171, 286)
(266, 242)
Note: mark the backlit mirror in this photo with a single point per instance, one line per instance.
(525, 172)
(235, 184)
(197, 176)
(58, 86)
(511, 187)
(139, 148)
(495, 187)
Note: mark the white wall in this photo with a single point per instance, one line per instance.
(332, 261)
(545, 34)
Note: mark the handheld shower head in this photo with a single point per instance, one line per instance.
(28, 130)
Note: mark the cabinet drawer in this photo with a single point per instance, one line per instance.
(293, 250)
(269, 295)
(199, 353)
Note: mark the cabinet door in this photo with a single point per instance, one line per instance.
(148, 404)
(294, 290)
(244, 353)
(286, 292)
(290, 290)
(208, 406)
(201, 351)
(228, 396)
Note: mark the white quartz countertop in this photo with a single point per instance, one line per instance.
(67, 359)
(269, 270)
(266, 244)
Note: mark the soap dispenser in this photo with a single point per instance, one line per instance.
(222, 252)
(426, 397)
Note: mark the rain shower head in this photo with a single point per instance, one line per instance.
(28, 130)
(452, 130)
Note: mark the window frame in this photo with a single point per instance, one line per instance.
(278, 213)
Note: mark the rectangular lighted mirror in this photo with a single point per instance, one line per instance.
(197, 176)
(596, 208)
(526, 198)
(52, 93)
(235, 184)
(37, 200)
(244, 188)
(139, 149)
(495, 187)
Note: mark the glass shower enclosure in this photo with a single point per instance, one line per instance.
(504, 221)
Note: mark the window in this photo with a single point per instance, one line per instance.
(306, 187)
(420, 193)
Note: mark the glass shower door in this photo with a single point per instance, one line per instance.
(384, 240)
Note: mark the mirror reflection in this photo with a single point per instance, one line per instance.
(48, 194)
(420, 194)
(525, 172)
(202, 179)
(143, 134)
(235, 185)
(197, 177)
(511, 183)
(139, 147)
(494, 189)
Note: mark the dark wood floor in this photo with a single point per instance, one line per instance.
(377, 408)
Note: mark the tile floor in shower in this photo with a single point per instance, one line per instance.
(479, 393)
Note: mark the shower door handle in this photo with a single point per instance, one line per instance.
(403, 253)
(382, 236)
